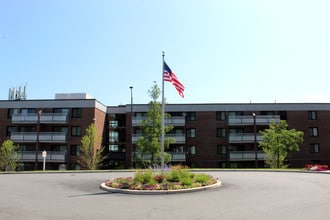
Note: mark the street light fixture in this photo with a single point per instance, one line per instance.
(255, 139)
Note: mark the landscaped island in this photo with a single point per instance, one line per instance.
(174, 179)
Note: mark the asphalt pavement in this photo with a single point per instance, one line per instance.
(243, 195)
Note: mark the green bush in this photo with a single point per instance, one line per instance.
(202, 178)
(187, 181)
(143, 177)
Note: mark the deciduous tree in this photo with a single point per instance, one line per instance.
(149, 146)
(278, 142)
(90, 150)
(9, 156)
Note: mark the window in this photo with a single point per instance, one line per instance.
(60, 129)
(191, 116)
(76, 113)
(27, 129)
(191, 150)
(113, 136)
(235, 113)
(26, 111)
(74, 150)
(10, 129)
(221, 116)
(113, 148)
(221, 150)
(11, 112)
(113, 124)
(221, 132)
(312, 115)
(313, 132)
(75, 131)
(191, 132)
(60, 110)
(315, 148)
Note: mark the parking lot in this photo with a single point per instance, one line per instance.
(243, 195)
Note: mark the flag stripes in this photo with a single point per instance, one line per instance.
(169, 76)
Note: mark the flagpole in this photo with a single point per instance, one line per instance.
(163, 115)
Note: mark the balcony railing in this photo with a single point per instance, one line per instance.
(44, 137)
(45, 118)
(175, 156)
(173, 120)
(248, 120)
(246, 155)
(179, 138)
(52, 156)
(243, 138)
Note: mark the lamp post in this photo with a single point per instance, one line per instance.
(255, 140)
(37, 143)
(131, 87)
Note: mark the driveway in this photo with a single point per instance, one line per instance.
(243, 195)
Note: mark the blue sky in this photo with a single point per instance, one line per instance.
(236, 51)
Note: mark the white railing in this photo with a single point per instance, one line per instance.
(175, 156)
(173, 120)
(179, 138)
(45, 118)
(244, 138)
(44, 137)
(245, 155)
(51, 156)
(248, 119)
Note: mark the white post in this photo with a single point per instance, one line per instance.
(44, 154)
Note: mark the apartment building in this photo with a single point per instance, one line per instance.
(207, 135)
(55, 126)
(223, 135)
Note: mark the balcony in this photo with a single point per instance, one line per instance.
(245, 155)
(243, 138)
(52, 156)
(174, 121)
(179, 138)
(175, 156)
(245, 120)
(44, 137)
(45, 118)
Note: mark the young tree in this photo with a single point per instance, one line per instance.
(149, 144)
(278, 142)
(90, 151)
(9, 156)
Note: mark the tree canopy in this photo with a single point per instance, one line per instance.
(8, 156)
(90, 151)
(278, 142)
(149, 146)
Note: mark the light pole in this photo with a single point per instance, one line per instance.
(131, 87)
(255, 140)
(37, 143)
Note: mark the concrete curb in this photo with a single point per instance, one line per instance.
(160, 192)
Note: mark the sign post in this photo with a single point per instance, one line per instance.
(44, 154)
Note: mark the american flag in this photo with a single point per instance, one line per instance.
(169, 76)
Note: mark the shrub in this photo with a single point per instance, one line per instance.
(187, 181)
(177, 178)
(202, 178)
(143, 177)
(160, 178)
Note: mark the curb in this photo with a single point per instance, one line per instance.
(160, 192)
